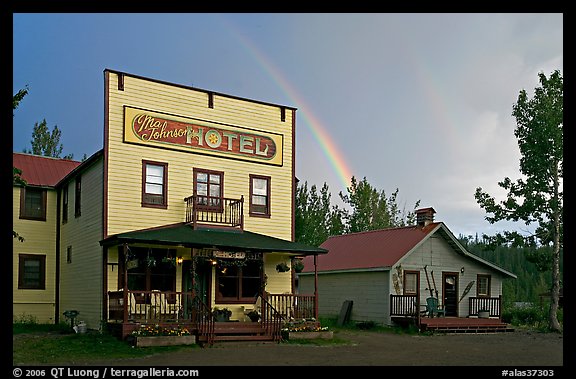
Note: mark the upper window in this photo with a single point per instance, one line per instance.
(77, 197)
(31, 271)
(33, 203)
(238, 283)
(259, 195)
(154, 184)
(411, 282)
(65, 204)
(483, 286)
(208, 188)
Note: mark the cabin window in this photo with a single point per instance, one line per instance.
(154, 184)
(33, 203)
(208, 189)
(483, 286)
(259, 195)
(411, 282)
(237, 283)
(32, 271)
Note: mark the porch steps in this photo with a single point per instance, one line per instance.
(239, 331)
(503, 328)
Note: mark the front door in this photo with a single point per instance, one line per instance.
(450, 292)
(201, 284)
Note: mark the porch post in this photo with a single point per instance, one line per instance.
(125, 290)
(315, 287)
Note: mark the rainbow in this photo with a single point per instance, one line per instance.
(329, 148)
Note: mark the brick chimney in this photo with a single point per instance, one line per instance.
(425, 216)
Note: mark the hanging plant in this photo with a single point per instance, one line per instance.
(150, 261)
(298, 265)
(282, 267)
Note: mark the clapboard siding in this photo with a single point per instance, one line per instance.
(40, 239)
(81, 280)
(368, 291)
(125, 213)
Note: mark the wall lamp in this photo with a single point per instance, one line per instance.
(462, 270)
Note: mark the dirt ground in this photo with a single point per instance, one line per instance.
(511, 350)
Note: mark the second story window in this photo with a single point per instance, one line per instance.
(154, 184)
(208, 188)
(78, 197)
(65, 204)
(259, 195)
(33, 203)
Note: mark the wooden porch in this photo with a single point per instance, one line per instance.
(129, 310)
(409, 309)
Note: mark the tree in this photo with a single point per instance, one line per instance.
(371, 209)
(16, 172)
(539, 197)
(316, 218)
(46, 143)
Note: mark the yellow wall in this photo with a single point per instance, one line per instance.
(39, 238)
(124, 167)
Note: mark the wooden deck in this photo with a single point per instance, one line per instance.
(464, 325)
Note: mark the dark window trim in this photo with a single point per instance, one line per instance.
(417, 273)
(215, 208)
(234, 300)
(23, 213)
(251, 207)
(146, 204)
(69, 254)
(489, 278)
(78, 196)
(25, 257)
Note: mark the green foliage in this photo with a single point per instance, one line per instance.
(538, 197)
(532, 317)
(372, 210)
(46, 143)
(16, 99)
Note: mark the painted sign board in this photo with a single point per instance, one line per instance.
(146, 127)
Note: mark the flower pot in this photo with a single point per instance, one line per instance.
(483, 314)
(165, 340)
(310, 335)
(221, 318)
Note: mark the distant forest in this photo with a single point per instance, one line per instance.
(530, 282)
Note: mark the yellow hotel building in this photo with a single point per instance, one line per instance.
(187, 209)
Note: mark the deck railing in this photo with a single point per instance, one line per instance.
(293, 305)
(411, 306)
(272, 320)
(215, 210)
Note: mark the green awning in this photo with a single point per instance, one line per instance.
(224, 239)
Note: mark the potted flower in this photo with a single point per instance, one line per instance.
(253, 315)
(298, 265)
(221, 314)
(282, 267)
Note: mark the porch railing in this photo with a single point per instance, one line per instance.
(272, 320)
(411, 306)
(215, 210)
(293, 305)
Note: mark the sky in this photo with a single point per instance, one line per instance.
(415, 102)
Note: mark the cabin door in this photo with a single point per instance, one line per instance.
(450, 292)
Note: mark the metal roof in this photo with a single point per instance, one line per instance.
(38, 170)
(226, 239)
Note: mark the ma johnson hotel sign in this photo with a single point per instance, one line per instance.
(170, 131)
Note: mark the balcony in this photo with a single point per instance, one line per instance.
(221, 211)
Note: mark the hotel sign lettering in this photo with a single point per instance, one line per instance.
(170, 131)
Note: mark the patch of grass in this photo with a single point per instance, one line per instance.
(91, 347)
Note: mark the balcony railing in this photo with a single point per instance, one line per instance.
(215, 210)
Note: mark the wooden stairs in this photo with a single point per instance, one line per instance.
(464, 325)
(238, 331)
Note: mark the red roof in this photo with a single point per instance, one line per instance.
(43, 171)
(372, 249)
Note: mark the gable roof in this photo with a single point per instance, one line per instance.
(383, 249)
(38, 170)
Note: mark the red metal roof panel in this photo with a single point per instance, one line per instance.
(43, 171)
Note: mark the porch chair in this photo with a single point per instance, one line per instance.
(433, 308)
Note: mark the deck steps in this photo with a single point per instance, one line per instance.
(239, 331)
